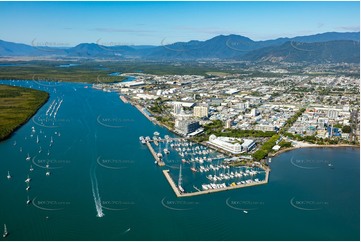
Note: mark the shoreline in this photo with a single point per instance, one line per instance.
(35, 111)
(312, 146)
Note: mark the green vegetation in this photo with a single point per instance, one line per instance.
(346, 129)
(17, 105)
(291, 120)
(93, 71)
(266, 148)
(50, 71)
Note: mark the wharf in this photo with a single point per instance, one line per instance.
(159, 160)
(179, 194)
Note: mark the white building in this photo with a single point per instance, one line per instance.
(232, 145)
(200, 111)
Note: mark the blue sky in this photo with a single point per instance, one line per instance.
(138, 23)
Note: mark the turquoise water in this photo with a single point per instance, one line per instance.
(98, 166)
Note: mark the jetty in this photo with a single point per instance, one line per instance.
(124, 99)
(178, 193)
(159, 160)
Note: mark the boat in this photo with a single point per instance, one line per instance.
(245, 211)
(47, 173)
(5, 231)
(37, 139)
(8, 176)
(31, 168)
(28, 201)
(27, 188)
(166, 151)
(28, 179)
(156, 133)
(28, 157)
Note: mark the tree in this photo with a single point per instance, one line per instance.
(346, 129)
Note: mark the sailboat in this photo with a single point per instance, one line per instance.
(8, 176)
(28, 201)
(5, 231)
(193, 168)
(28, 179)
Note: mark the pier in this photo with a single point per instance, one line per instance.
(190, 194)
(158, 159)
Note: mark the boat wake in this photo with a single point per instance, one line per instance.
(95, 190)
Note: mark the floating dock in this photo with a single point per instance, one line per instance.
(124, 99)
(178, 193)
(159, 160)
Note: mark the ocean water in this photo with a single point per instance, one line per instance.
(104, 185)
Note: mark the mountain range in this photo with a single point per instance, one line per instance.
(331, 47)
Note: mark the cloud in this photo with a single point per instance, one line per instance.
(113, 30)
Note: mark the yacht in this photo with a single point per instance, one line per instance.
(28, 179)
(5, 231)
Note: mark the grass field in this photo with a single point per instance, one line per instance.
(17, 105)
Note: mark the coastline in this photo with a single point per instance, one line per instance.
(312, 146)
(28, 118)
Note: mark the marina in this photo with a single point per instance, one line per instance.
(203, 162)
(212, 189)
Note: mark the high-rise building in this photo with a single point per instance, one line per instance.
(177, 108)
(200, 111)
(185, 126)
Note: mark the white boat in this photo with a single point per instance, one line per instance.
(37, 139)
(28, 157)
(8, 176)
(5, 231)
(27, 188)
(156, 133)
(28, 179)
(166, 151)
(245, 211)
(47, 173)
(31, 168)
(28, 201)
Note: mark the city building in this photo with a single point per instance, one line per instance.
(232, 145)
(200, 111)
(185, 126)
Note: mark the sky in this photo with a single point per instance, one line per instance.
(67, 24)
